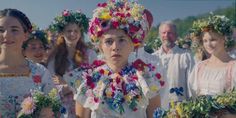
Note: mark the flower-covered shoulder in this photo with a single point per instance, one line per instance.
(74, 77)
(150, 77)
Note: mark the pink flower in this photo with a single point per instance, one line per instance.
(28, 106)
(66, 13)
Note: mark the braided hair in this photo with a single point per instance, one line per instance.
(20, 16)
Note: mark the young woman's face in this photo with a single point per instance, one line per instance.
(116, 47)
(72, 33)
(35, 51)
(213, 43)
(12, 34)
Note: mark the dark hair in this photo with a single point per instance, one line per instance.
(37, 35)
(20, 16)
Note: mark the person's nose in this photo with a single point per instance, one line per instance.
(6, 35)
(115, 46)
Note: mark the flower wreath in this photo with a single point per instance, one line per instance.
(67, 17)
(37, 34)
(121, 14)
(32, 105)
(218, 23)
(202, 106)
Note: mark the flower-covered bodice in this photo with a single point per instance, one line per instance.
(110, 94)
(14, 89)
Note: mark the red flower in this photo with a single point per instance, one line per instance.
(158, 75)
(133, 28)
(37, 79)
(115, 24)
(162, 83)
(134, 77)
(97, 63)
(101, 71)
(139, 64)
(96, 99)
(102, 4)
(66, 13)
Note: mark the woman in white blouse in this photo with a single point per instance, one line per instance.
(216, 74)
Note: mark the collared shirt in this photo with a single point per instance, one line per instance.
(177, 65)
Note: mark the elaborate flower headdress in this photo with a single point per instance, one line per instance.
(218, 23)
(32, 105)
(67, 17)
(37, 34)
(121, 14)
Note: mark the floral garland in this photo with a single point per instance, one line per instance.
(202, 106)
(120, 14)
(38, 35)
(32, 105)
(70, 17)
(120, 88)
(218, 23)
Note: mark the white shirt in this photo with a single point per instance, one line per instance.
(211, 81)
(177, 64)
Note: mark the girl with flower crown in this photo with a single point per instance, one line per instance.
(18, 76)
(216, 74)
(35, 47)
(114, 88)
(69, 53)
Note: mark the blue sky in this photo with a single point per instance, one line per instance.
(42, 12)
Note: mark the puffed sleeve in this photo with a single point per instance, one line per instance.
(192, 81)
(151, 80)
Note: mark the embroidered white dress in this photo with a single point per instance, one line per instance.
(14, 89)
(113, 95)
(177, 65)
(211, 81)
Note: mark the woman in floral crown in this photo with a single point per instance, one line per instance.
(216, 74)
(18, 76)
(115, 88)
(35, 47)
(70, 52)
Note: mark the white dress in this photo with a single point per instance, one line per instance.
(211, 81)
(177, 66)
(14, 89)
(68, 102)
(113, 95)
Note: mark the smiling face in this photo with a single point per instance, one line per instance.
(213, 42)
(35, 50)
(116, 46)
(12, 34)
(72, 33)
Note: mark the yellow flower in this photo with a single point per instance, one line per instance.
(77, 83)
(179, 110)
(153, 88)
(109, 94)
(127, 97)
(106, 72)
(105, 16)
(53, 93)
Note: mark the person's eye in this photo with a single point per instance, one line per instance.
(14, 30)
(2, 30)
(109, 42)
(122, 40)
